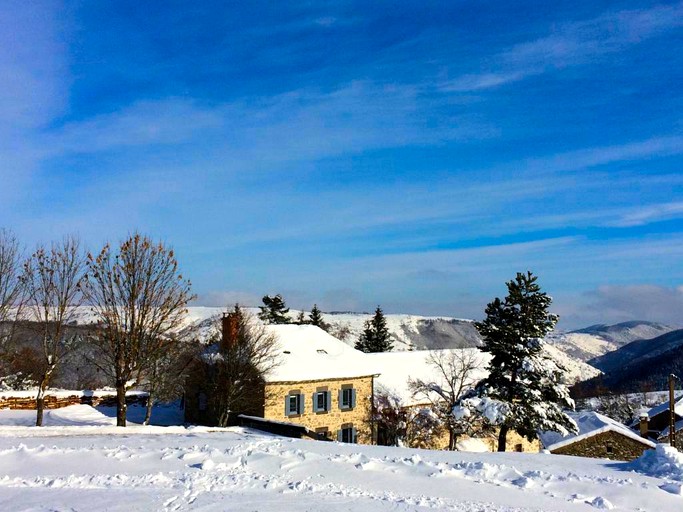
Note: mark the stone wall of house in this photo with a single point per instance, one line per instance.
(8, 401)
(606, 445)
(330, 421)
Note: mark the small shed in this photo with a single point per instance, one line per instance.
(599, 437)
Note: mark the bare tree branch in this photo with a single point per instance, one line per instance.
(455, 373)
(140, 299)
(53, 279)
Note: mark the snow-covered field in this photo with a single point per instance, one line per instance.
(82, 466)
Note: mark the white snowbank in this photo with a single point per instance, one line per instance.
(663, 462)
(85, 467)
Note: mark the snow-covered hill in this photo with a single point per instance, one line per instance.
(626, 332)
(410, 332)
(598, 340)
(94, 466)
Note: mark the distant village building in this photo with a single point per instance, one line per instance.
(654, 423)
(320, 383)
(599, 437)
(658, 416)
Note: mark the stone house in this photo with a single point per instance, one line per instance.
(320, 383)
(599, 437)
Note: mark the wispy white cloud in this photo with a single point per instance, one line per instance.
(144, 123)
(651, 213)
(571, 44)
(301, 124)
(602, 155)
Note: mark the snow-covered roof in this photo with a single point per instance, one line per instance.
(664, 434)
(397, 368)
(590, 424)
(664, 407)
(309, 353)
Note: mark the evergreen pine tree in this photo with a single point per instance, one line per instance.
(375, 336)
(524, 383)
(315, 317)
(301, 318)
(274, 310)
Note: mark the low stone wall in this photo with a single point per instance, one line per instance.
(8, 401)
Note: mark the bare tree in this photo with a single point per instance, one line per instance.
(53, 278)
(234, 375)
(400, 424)
(455, 372)
(164, 379)
(139, 299)
(11, 292)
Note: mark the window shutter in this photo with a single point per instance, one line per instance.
(287, 405)
(302, 404)
(339, 436)
(354, 435)
(341, 399)
(328, 405)
(315, 402)
(353, 398)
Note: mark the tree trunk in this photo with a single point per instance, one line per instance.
(121, 403)
(40, 398)
(502, 438)
(148, 412)
(451, 440)
(40, 405)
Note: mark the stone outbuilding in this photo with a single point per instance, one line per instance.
(599, 437)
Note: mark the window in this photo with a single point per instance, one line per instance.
(609, 448)
(519, 447)
(321, 401)
(347, 398)
(323, 432)
(347, 435)
(294, 405)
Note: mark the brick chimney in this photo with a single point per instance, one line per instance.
(229, 331)
(644, 419)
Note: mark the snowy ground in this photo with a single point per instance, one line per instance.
(82, 466)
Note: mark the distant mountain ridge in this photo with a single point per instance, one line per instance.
(638, 352)
(595, 341)
(627, 332)
(638, 366)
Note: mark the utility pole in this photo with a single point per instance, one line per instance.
(672, 413)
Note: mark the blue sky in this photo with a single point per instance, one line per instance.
(412, 155)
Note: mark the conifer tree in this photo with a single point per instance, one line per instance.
(375, 336)
(301, 318)
(524, 389)
(274, 310)
(315, 317)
